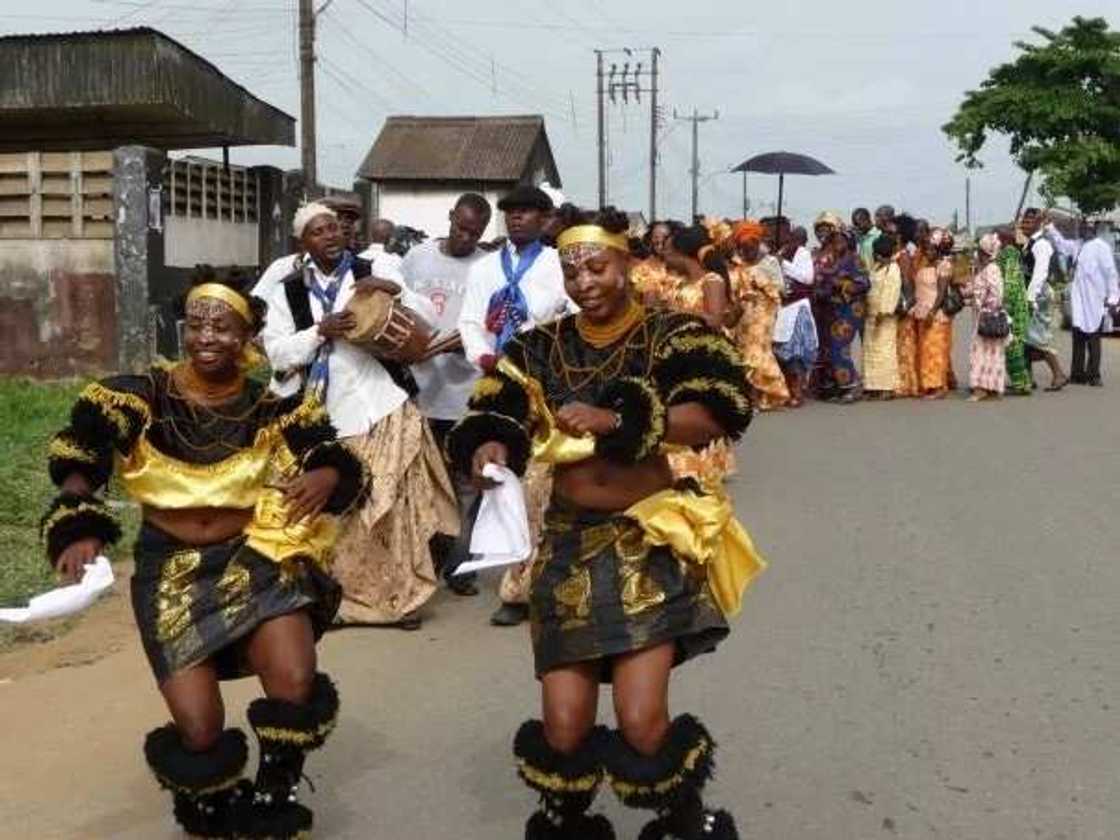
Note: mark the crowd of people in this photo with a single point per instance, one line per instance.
(895, 283)
(611, 370)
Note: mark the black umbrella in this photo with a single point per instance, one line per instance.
(782, 164)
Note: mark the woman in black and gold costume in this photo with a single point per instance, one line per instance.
(239, 492)
(637, 572)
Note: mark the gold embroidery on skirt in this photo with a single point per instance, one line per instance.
(233, 589)
(639, 590)
(173, 594)
(573, 598)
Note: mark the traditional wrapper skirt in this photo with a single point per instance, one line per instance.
(382, 558)
(192, 603)
(880, 354)
(600, 590)
(935, 341)
(1040, 330)
(799, 347)
(909, 379)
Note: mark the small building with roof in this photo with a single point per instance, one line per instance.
(418, 166)
(99, 226)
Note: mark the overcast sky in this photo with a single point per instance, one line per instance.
(864, 86)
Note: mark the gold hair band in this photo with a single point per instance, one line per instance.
(592, 235)
(216, 291)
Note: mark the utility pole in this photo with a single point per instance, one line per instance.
(307, 95)
(628, 81)
(602, 120)
(696, 119)
(654, 119)
(968, 205)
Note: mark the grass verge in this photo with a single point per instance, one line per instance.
(30, 412)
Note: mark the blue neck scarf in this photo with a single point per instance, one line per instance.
(508, 309)
(320, 374)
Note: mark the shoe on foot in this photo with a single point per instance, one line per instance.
(411, 621)
(510, 615)
(463, 585)
(1095, 382)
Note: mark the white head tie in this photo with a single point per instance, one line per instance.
(306, 213)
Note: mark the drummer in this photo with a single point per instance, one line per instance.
(437, 269)
(512, 290)
(382, 557)
(349, 213)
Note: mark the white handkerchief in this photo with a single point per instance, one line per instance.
(501, 530)
(66, 600)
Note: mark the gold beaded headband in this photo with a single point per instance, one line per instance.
(216, 291)
(592, 235)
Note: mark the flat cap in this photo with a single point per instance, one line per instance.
(526, 197)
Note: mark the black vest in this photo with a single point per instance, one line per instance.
(299, 302)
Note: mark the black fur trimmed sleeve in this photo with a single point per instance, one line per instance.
(693, 363)
(498, 412)
(304, 424)
(110, 414)
(642, 413)
(309, 434)
(72, 517)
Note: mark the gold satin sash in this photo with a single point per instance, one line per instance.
(247, 479)
(271, 535)
(702, 529)
(550, 445)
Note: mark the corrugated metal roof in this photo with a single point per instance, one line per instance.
(98, 89)
(479, 149)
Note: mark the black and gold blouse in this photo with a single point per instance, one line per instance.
(171, 453)
(668, 359)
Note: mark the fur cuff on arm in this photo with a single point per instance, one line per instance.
(480, 427)
(643, 421)
(71, 518)
(730, 404)
(67, 454)
(353, 477)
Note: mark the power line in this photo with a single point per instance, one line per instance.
(443, 45)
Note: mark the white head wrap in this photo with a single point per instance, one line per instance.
(308, 212)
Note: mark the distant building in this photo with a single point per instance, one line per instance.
(419, 165)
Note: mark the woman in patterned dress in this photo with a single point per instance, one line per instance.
(699, 280)
(931, 283)
(912, 234)
(986, 362)
(1015, 302)
(757, 283)
(880, 337)
(650, 277)
(840, 292)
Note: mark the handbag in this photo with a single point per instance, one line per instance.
(994, 324)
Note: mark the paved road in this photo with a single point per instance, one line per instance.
(931, 655)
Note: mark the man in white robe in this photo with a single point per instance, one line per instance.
(1095, 290)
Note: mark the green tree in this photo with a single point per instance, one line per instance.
(1059, 103)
